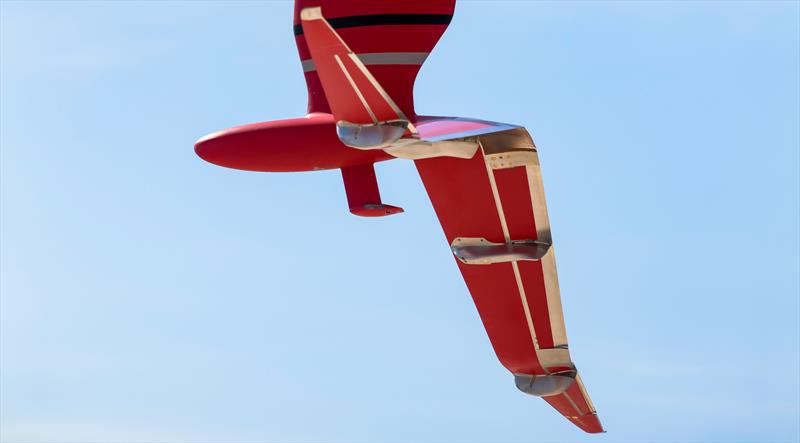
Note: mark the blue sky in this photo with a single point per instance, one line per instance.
(147, 295)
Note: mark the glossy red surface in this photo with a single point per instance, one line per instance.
(573, 406)
(460, 190)
(512, 185)
(345, 85)
(376, 211)
(397, 80)
(463, 201)
(298, 144)
(363, 195)
(461, 193)
(303, 144)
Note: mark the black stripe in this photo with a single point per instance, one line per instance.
(384, 19)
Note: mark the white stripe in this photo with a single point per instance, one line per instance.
(525, 308)
(393, 58)
(514, 265)
(573, 404)
(551, 357)
(496, 195)
(381, 91)
(355, 88)
(552, 292)
(585, 394)
(379, 58)
(308, 65)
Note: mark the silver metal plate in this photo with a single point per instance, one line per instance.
(479, 251)
(545, 385)
(371, 136)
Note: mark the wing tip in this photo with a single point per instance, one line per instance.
(589, 423)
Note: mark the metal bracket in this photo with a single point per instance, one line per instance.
(479, 251)
(371, 136)
(545, 385)
(512, 159)
(419, 149)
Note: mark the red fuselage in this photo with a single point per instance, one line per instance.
(299, 144)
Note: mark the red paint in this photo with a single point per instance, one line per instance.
(535, 294)
(581, 417)
(459, 189)
(463, 200)
(562, 405)
(298, 144)
(363, 195)
(515, 196)
(576, 395)
(461, 196)
(397, 80)
(342, 79)
(494, 291)
(293, 145)
(512, 185)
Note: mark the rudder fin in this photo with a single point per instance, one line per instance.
(354, 95)
(391, 38)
